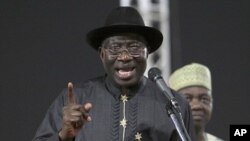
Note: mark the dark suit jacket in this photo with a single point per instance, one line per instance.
(145, 112)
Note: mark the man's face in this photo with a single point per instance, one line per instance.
(200, 100)
(124, 58)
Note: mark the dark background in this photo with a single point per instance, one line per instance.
(217, 34)
(42, 47)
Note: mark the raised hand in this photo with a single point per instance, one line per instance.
(74, 116)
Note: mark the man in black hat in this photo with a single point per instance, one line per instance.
(123, 105)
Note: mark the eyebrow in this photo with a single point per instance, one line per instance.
(202, 94)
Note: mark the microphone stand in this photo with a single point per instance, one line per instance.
(173, 110)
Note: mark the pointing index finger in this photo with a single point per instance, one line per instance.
(71, 95)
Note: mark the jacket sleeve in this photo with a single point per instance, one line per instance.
(52, 122)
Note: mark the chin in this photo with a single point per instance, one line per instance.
(199, 125)
(126, 83)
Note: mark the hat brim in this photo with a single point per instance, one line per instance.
(153, 36)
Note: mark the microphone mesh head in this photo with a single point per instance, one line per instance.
(154, 73)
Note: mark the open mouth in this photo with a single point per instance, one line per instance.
(197, 116)
(125, 73)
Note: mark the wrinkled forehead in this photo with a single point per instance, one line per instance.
(196, 90)
(124, 37)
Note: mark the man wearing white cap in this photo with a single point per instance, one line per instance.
(193, 81)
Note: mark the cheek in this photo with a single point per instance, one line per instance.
(142, 61)
(208, 109)
(141, 65)
(108, 63)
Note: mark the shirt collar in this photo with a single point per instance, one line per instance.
(117, 91)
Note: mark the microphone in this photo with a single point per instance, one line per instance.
(154, 74)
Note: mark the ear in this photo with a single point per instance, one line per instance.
(101, 53)
(147, 53)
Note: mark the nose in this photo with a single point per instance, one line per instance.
(196, 104)
(125, 56)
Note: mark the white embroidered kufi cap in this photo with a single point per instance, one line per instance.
(193, 74)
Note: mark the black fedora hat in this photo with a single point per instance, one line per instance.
(125, 20)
